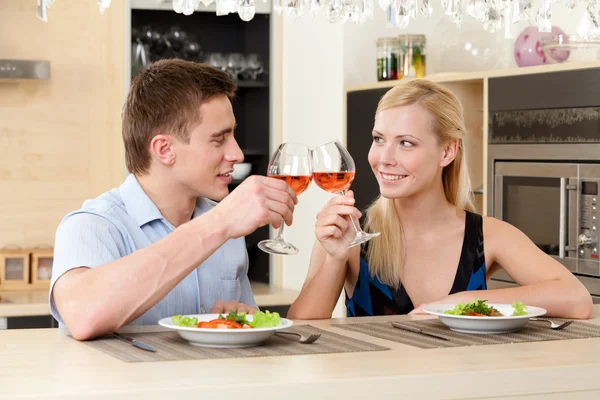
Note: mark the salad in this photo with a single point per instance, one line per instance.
(232, 320)
(478, 308)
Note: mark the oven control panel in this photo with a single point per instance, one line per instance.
(588, 233)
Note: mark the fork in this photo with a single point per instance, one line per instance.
(553, 325)
(303, 338)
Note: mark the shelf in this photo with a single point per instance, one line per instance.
(252, 153)
(251, 84)
(478, 190)
(479, 76)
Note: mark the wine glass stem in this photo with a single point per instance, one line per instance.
(356, 225)
(354, 221)
(280, 233)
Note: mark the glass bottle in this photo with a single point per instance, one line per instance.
(387, 59)
(413, 49)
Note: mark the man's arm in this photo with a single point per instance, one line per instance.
(102, 299)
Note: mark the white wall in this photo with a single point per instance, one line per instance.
(312, 113)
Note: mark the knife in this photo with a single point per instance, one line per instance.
(416, 330)
(133, 342)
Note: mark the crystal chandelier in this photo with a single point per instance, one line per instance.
(494, 15)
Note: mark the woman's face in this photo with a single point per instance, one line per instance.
(405, 155)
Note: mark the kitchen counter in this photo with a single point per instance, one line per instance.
(48, 364)
(35, 302)
(266, 295)
(26, 303)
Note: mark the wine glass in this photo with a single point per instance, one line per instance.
(333, 171)
(216, 60)
(254, 65)
(291, 163)
(235, 63)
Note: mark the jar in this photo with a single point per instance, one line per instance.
(388, 52)
(413, 50)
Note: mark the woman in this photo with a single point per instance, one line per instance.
(433, 247)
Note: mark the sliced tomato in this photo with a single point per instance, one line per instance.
(474, 314)
(219, 324)
(209, 324)
(232, 324)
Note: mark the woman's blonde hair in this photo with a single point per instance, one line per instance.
(385, 254)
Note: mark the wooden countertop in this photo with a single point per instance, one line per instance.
(26, 303)
(35, 302)
(266, 295)
(48, 364)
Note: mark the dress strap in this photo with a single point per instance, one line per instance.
(472, 256)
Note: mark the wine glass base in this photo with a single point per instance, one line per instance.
(363, 237)
(278, 246)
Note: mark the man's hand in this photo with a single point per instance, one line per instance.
(257, 202)
(222, 307)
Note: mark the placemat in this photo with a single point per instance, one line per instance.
(531, 332)
(171, 347)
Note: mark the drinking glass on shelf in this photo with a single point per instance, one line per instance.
(333, 171)
(234, 64)
(291, 163)
(254, 65)
(216, 60)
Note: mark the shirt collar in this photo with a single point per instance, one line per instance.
(139, 206)
(142, 209)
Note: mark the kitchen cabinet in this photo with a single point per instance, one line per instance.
(224, 35)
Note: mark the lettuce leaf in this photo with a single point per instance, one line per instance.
(476, 306)
(265, 319)
(180, 320)
(233, 316)
(457, 310)
(519, 308)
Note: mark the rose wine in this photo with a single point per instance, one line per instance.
(297, 183)
(333, 182)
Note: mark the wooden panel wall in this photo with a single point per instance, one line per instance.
(470, 95)
(60, 140)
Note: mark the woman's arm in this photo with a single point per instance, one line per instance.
(544, 282)
(329, 262)
(323, 285)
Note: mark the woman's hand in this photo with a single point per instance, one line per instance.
(333, 228)
(418, 310)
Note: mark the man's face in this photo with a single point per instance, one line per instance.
(204, 165)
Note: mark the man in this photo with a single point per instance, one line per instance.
(156, 246)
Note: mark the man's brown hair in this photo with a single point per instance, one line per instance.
(165, 98)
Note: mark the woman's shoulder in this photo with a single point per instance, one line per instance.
(501, 234)
(492, 226)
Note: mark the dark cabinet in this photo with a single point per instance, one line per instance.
(208, 34)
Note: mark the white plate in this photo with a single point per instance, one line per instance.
(223, 338)
(484, 325)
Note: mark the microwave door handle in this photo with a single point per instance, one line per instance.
(563, 247)
(562, 227)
